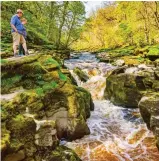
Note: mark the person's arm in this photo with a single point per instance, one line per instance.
(14, 28)
(13, 22)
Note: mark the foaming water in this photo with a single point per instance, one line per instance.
(94, 69)
(117, 133)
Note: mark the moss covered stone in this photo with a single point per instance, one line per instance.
(126, 86)
(121, 89)
(5, 139)
(149, 109)
(63, 153)
(82, 76)
(21, 127)
(153, 53)
(48, 94)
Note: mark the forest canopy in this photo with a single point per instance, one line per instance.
(119, 24)
(64, 25)
(51, 22)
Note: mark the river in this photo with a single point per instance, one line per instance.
(117, 133)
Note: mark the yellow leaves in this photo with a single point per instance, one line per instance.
(120, 23)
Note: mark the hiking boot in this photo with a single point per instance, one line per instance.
(26, 53)
(21, 54)
(15, 55)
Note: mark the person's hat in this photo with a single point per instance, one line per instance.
(19, 10)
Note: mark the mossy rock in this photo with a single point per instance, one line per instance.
(15, 63)
(49, 63)
(32, 68)
(9, 83)
(63, 153)
(5, 139)
(17, 156)
(149, 109)
(122, 90)
(153, 53)
(77, 128)
(82, 76)
(22, 128)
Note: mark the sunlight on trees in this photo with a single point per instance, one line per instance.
(120, 24)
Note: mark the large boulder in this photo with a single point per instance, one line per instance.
(149, 109)
(48, 107)
(153, 54)
(18, 138)
(125, 86)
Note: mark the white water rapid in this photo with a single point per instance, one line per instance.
(117, 133)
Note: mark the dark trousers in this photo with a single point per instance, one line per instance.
(21, 50)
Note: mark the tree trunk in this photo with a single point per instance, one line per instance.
(62, 23)
(69, 34)
(51, 16)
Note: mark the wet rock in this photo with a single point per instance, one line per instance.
(46, 135)
(48, 96)
(77, 128)
(120, 62)
(63, 153)
(125, 86)
(105, 57)
(149, 109)
(18, 143)
(153, 55)
(82, 76)
(61, 127)
(121, 89)
(20, 155)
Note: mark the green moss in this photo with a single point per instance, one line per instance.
(153, 51)
(64, 153)
(39, 91)
(15, 144)
(32, 69)
(5, 137)
(51, 61)
(3, 61)
(22, 127)
(4, 113)
(10, 82)
(18, 118)
(62, 76)
(48, 86)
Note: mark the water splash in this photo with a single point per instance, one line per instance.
(117, 133)
(114, 137)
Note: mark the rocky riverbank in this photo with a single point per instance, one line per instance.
(41, 105)
(135, 82)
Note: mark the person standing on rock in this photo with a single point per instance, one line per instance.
(24, 33)
(17, 28)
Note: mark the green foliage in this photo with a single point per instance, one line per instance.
(53, 23)
(120, 24)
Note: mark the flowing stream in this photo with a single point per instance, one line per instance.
(117, 133)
